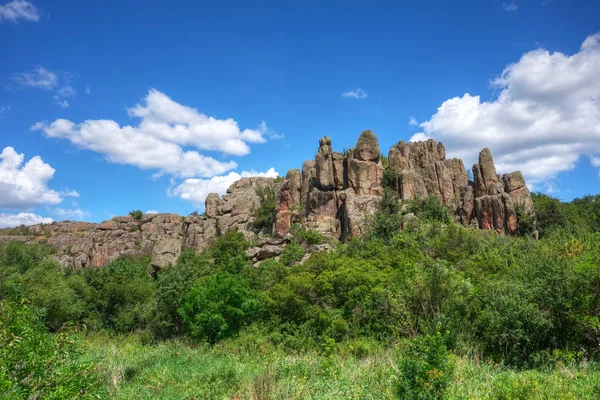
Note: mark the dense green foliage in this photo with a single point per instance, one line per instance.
(512, 301)
(425, 369)
(37, 364)
(579, 215)
(217, 306)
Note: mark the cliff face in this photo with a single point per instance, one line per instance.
(334, 194)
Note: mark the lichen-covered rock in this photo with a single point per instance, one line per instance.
(411, 185)
(309, 174)
(323, 211)
(358, 210)
(365, 170)
(285, 203)
(367, 147)
(212, 204)
(324, 165)
(165, 252)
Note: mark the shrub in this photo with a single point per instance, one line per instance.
(291, 253)
(37, 364)
(308, 236)
(228, 252)
(430, 209)
(425, 369)
(121, 295)
(136, 214)
(171, 283)
(264, 215)
(390, 179)
(217, 307)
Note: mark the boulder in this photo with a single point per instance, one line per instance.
(324, 165)
(367, 147)
(165, 252)
(212, 204)
(358, 210)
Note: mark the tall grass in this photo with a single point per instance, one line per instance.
(233, 370)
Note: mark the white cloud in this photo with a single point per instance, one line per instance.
(12, 220)
(412, 121)
(19, 9)
(69, 193)
(75, 213)
(63, 93)
(196, 190)
(510, 7)
(355, 94)
(39, 78)
(62, 103)
(88, 90)
(66, 91)
(151, 212)
(24, 186)
(545, 118)
(157, 141)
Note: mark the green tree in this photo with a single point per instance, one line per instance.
(217, 307)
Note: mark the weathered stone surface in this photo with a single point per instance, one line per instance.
(367, 147)
(339, 176)
(268, 251)
(309, 174)
(200, 232)
(415, 154)
(166, 252)
(324, 165)
(323, 211)
(283, 217)
(514, 185)
(212, 204)
(365, 177)
(467, 206)
(364, 169)
(411, 185)
(357, 211)
(294, 176)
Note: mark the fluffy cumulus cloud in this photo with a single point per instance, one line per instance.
(546, 116)
(12, 220)
(40, 78)
(18, 10)
(355, 94)
(25, 185)
(196, 190)
(158, 141)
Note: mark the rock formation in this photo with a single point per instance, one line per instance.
(334, 194)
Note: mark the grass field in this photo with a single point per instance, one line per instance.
(231, 370)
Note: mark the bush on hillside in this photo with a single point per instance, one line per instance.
(217, 307)
(264, 215)
(136, 214)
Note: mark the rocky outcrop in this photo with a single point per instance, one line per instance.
(423, 171)
(335, 194)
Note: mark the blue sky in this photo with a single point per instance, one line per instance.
(110, 106)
